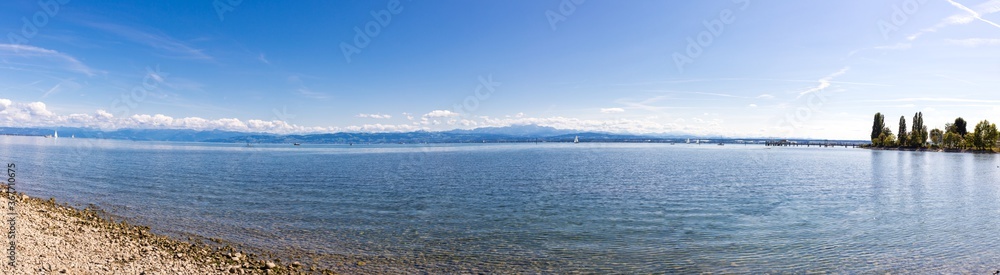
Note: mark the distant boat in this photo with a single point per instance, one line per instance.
(56, 135)
(722, 144)
(297, 144)
(576, 139)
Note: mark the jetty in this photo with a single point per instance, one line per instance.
(792, 143)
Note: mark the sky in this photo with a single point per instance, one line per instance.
(734, 68)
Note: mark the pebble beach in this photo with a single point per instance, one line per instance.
(57, 239)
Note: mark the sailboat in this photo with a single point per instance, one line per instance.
(56, 135)
(576, 139)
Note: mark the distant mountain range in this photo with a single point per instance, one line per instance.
(517, 133)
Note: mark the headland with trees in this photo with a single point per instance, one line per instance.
(955, 137)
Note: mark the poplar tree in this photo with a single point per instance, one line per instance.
(878, 125)
(902, 135)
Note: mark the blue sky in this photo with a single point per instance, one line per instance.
(817, 69)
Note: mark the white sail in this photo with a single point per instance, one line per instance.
(576, 139)
(56, 134)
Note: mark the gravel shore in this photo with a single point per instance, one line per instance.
(56, 239)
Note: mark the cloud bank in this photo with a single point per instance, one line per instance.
(37, 115)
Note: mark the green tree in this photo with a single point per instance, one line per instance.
(918, 132)
(878, 125)
(960, 127)
(985, 135)
(902, 135)
(887, 139)
(924, 134)
(967, 141)
(952, 140)
(937, 137)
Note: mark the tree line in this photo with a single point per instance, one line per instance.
(954, 136)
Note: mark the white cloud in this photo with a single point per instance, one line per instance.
(379, 128)
(974, 13)
(967, 17)
(440, 113)
(27, 51)
(306, 92)
(375, 116)
(36, 114)
(898, 46)
(612, 110)
(765, 96)
(263, 59)
(752, 105)
(938, 99)
(975, 42)
(4, 104)
(104, 114)
(824, 82)
(153, 39)
(38, 109)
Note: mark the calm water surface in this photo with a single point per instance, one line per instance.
(628, 208)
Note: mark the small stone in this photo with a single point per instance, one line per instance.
(296, 264)
(270, 265)
(238, 255)
(361, 263)
(62, 270)
(180, 255)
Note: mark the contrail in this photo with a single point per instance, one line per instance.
(974, 13)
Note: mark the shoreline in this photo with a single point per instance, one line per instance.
(939, 150)
(54, 238)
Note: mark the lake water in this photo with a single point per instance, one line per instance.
(595, 208)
